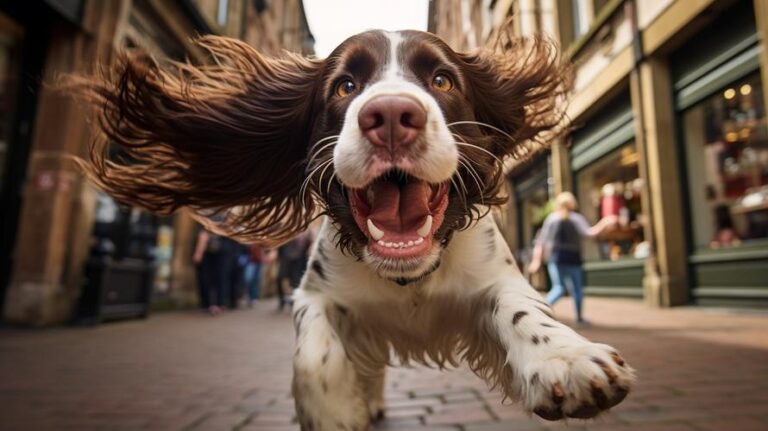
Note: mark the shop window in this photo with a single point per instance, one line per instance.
(612, 186)
(533, 208)
(580, 18)
(222, 13)
(122, 232)
(538, 16)
(533, 205)
(573, 20)
(727, 150)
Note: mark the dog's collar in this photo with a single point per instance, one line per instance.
(404, 281)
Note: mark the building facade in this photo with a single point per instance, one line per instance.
(66, 249)
(669, 132)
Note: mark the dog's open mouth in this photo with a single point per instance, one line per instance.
(399, 214)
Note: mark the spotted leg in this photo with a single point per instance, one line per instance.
(373, 386)
(326, 389)
(556, 372)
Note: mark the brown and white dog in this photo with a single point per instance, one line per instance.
(398, 140)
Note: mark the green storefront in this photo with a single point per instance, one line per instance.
(723, 142)
(606, 179)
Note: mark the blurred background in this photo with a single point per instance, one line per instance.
(669, 134)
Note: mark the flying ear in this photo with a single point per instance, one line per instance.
(519, 89)
(225, 140)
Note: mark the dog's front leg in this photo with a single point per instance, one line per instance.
(556, 372)
(327, 393)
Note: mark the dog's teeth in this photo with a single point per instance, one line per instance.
(410, 243)
(418, 241)
(381, 243)
(388, 244)
(369, 195)
(375, 232)
(401, 244)
(426, 228)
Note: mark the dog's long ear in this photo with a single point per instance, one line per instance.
(518, 88)
(227, 140)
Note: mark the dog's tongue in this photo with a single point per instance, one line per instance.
(400, 209)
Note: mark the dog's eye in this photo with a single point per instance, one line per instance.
(442, 82)
(345, 88)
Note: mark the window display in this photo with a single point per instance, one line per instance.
(726, 142)
(123, 232)
(533, 209)
(612, 186)
(532, 203)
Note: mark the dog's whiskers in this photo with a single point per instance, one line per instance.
(480, 123)
(317, 153)
(322, 174)
(461, 142)
(472, 171)
(477, 147)
(477, 181)
(467, 164)
(323, 140)
(308, 179)
(330, 182)
(461, 193)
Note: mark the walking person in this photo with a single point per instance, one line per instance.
(252, 274)
(560, 239)
(237, 260)
(218, 272)
(210, 259)
(203, 286)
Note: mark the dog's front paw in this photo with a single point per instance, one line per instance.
(576, 381)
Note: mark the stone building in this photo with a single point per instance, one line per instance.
(669, 130)
(63, 245)
(463, 24)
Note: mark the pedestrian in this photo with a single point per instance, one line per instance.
(218, 271)
(210, 261)
(252, 273)
(560, 239)
(292, 259)
(237, 260)
(203, 287)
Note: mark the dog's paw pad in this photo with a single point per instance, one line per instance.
(553, 412)
(577, 382)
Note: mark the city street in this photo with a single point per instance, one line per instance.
(153, 154)
(699, 369)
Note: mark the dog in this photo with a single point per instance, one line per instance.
(400, 142)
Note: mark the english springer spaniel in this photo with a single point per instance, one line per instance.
(399, 141)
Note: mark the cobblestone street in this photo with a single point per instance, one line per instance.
(699, 369)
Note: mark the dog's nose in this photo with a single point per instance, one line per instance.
(392, 121)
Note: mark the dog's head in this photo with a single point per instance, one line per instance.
(395, 136)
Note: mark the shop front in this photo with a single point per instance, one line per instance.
(532, 197)
(65, 250)
(24, 39)
(11, 36)
(137, 259)
(607, 182)
(720, 102)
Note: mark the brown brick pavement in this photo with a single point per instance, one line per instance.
(702, 370)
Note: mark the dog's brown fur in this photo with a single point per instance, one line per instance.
(232, 140)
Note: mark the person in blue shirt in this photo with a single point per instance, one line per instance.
(560, 240)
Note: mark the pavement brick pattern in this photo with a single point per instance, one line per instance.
(699, 370)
